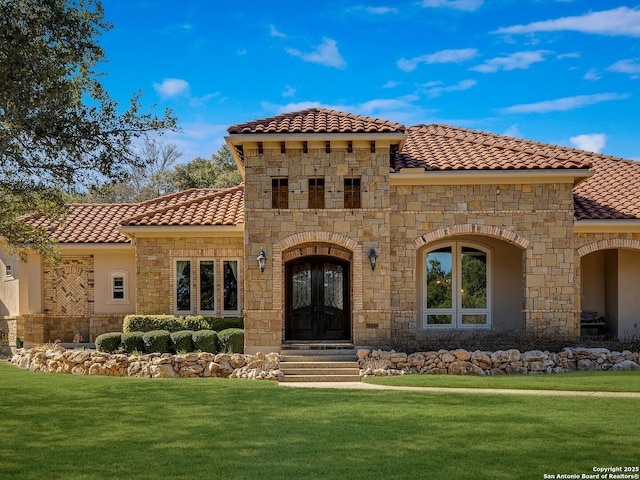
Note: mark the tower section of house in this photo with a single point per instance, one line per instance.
(317, 202)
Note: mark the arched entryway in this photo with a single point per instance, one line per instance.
(317, 299)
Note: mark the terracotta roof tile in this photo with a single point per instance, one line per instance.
(99, 223)
(613, 192)
(441, 147)
(317, 120)
(204, 207)
(88, 223)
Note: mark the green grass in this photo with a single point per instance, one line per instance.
(79, 427)
(624, 381)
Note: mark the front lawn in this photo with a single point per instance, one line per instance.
(624, 381)
(81, 427)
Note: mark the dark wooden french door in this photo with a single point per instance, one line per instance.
(317, 297)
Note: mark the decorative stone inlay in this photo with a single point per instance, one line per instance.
(492, 231)
(608, 244)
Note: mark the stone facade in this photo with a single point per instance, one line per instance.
(155, 263)
(283, 231)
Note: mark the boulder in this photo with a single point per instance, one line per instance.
(461, 354)
(534, 356)
(163, 370)
(626, 365)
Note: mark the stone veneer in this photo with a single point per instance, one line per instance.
(155, 284)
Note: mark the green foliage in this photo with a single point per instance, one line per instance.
(205, 341)
(219, 324)
(157, 341)
(133, 342)
(60, 127)
(147, 323)
(108, 342)
(231, 340)
(182, 341)
(193, 322)
(220, 171)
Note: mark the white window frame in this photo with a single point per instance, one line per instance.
(236, 311)
(456, 311)
(175, 286)
(213, 311)
(8, 270)
(113, 274)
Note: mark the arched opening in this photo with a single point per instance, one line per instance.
(471, 282)
(609, 298)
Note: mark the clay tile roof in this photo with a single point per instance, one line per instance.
(317, 120)
(197, 208)
(441, 147)
(613, 192)
(88, 223)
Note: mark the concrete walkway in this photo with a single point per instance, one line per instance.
(503, 391)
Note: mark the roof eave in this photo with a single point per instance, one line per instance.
(419, 176)
(630, 225)
(138, 231)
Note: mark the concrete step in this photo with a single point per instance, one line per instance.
(306, 364)
(317, 358)
(319, 378)
(319, 370)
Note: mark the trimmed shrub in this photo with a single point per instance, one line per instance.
(219, 324)
(182, 341)
(193, 322)
(108, 342)
(205, 341)
(231, 340)
(157, 341)
(148, 323)
(133, 342)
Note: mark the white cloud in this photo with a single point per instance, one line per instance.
(620, 21)
(386, 104)
(289, 92)
(631, 67)
(467, 5)
(593, 142)
(443, 56)
(517, 60)
(391, 84)
(273, 31)
(564, 104)
(513, 131)
(435, 89)
(171, 87)
(593, 74)
(381, 10)
(326, 54)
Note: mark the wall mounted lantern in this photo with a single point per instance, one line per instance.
(262, 260)
(373, 258)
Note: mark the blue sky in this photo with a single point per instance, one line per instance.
(565, 72)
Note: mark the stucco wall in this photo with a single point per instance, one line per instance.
(9, 286)
(104, 264)
(628, 300)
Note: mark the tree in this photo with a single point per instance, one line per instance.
(149, 179)
(59, 127)
(218, 172)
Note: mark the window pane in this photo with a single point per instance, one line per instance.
(473, 289)
(230, 268)
(207, 285)
(439, 319)
(279, 193)
(351, 193)
(316, 193)
(474, 319)
(439, 278)
(301, 285)
(333, 286)
(118, 288)
(183, 285)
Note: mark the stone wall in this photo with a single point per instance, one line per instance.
(537, 218)
(501, 362)
(56, 359)
(41, 328)
(155, 257)
(280, 231)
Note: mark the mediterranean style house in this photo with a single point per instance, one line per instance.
(357, 230)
